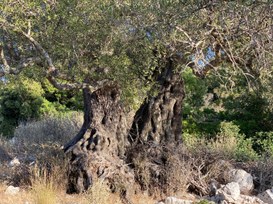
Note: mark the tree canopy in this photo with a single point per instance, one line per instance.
(115, 40)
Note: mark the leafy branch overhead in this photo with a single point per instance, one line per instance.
(76, 39)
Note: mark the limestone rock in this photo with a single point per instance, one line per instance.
(244, 179)
(14, 162)
(224, 196)
(267, 196)
(11, 190)
(229, 193)
(244, 199)
(173, 200)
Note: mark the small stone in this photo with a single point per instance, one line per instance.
(11, 190)
(267, 196)
(173, 200)
(14, 162)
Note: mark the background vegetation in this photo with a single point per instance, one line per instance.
(212, 106)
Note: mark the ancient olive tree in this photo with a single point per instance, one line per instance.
(114, 49)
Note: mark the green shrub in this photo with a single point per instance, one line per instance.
(22, 101)
(228, 142)
(263, 142)
(251, 112)
(242, 148)
(62, 99)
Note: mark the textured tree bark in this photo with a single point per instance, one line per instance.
(159, 119)
(156, 133)
(111, 148)
(98, 148)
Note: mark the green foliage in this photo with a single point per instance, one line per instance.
(63, 100)
(240, 146)
(264, 142)
(22, 101)
(229, 130)
(244, 150)
(195, 91)
(198, 117)
(228, 142)
(250, 110)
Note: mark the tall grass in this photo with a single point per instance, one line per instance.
(47, 183)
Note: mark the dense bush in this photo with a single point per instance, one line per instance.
(228, 142)
(249, 111)
(38, 147)
(68, 99)
(263, 142)
(26, 99)
(209, 103)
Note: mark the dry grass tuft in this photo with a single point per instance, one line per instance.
(178, 172)
(46, 182)
(44, 193)
(100, 193)
(143, 199)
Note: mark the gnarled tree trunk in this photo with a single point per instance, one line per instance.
(156, 133)
(98, 148)
(109, 147)
(159, 119)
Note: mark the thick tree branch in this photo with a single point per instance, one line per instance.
(7, 69)
(67, 86)
(51, 68)
(52, 73)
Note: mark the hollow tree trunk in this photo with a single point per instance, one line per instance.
(99, 146)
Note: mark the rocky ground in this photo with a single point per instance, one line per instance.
(237, 187)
